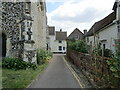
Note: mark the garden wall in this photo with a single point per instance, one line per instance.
(95, 68)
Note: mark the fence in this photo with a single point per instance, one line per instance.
(95, 67)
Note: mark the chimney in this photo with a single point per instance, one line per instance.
(60, 30)
(85, 31)
(118, 10)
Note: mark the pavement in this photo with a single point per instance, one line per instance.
(56, 75)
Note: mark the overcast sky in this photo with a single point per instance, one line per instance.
(82, 14)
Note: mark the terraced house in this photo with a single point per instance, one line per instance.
(105, 33)
(24, 27)
(57, 40)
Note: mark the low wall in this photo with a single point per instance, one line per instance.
(95, 67)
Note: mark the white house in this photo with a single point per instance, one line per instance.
(105, 32)
(57, 40)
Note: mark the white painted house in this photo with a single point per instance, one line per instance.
(57, 40)
(104, 32)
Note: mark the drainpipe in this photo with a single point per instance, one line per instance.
(118, 18)
(118, 26)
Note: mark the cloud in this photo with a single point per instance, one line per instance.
(78, 17)
(80, 14)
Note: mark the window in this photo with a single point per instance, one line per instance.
(27, 7)
(60, 48)
(47, 46)
(63, 48)
(27, 24)
(91, 43)
(76, 37)
(87, 39)
(119, 28)
(104, 46)
(60, 41)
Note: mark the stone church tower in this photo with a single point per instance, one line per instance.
(23, 29)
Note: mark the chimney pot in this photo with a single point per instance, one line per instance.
(60, 30)
(85, 31)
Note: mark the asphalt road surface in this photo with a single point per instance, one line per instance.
(56, 75)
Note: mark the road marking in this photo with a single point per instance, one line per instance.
(74, 73)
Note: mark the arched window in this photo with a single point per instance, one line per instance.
(76, 37)
(3, 45)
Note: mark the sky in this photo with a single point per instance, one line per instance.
(82, 14)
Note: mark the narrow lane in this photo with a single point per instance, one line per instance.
(57, 75)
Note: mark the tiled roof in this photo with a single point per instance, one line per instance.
(101, 24)
(61, 35)
(51, 30)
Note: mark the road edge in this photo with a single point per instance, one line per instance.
(38, 74)
(73, 72)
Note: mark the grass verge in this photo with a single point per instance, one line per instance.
(20, 78)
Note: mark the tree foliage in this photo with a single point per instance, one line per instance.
(79, 46)
(114, 66)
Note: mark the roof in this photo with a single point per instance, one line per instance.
(51, 30)
(75, 31)
(61, 35)
(101, 24)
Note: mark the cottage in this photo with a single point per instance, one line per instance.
(76, 35)
(57, 40)
(105, 32)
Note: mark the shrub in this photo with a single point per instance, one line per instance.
(79, 46)
(42, 56)
(16, 63)
(108, 53)
(97, 51)
(114, 66)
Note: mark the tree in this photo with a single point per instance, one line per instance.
(78, 45)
